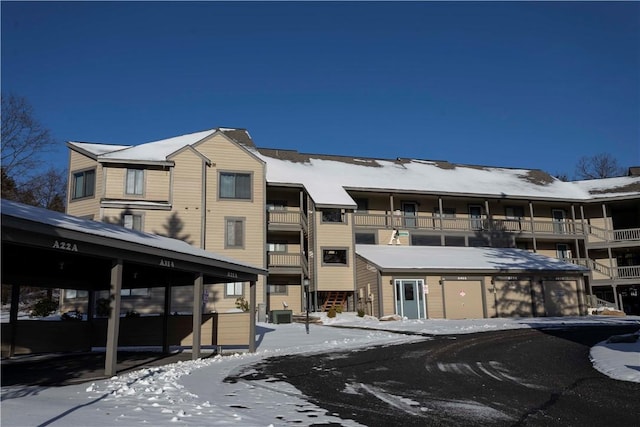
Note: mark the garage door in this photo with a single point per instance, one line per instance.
(561, 297)
(463, 299)
(513, 298)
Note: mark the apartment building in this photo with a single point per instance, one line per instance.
(311, 221)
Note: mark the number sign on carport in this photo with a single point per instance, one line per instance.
(53, 250)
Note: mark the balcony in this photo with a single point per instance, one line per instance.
(614, 238)
(286, 220)
(436, 223)
(285, 263)
(603, 272)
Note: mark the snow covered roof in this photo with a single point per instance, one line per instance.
(73, 223)
(608, 187)
(327, 178)
(441, 258)
(157, 151)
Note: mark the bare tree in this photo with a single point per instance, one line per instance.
(24, 141)
(602, 165)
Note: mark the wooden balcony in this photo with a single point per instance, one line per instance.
(285, 263)
(286, 220)
(616, 238)
(602, 272)
(435, 223)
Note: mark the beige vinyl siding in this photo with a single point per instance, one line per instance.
(388, 298)
(435, 302)
(367, 281)
(334, 236)
(293, 299)
(186, 194)
(230, 157)
(156, 184)
(89, 207)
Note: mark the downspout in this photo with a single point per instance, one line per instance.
(203, 203)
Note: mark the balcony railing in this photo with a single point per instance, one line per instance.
(434, 222)
(597, 234)
(285, 260)
(601, 271)
(283, 217)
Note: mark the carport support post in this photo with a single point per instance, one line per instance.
(113, 325)
(252, 317)
(198, 288)
(13, 317)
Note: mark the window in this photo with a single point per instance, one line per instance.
(332, 215)
(424, 240)
(334, 256)
(74, 294)
(235, 185)
(365, 238)
(140, 292)
(276, 247)
(234, 289)
(277, 290)
(563, 251)
(514, 212)
(84, 184)
(133, 222)
(234, 233)
(135, 182)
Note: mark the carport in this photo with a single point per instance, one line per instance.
(53, 250)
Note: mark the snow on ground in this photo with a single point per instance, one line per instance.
(195, 393)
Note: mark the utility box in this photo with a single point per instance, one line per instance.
(281, 316)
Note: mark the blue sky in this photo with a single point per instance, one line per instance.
(517, 84)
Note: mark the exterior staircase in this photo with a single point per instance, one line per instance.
(334, 299)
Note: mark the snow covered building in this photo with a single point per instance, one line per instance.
(316, 221)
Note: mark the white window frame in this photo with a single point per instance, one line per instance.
(234, 289)
(134, 182)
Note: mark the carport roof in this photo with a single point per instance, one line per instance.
(31, 226)
(446, 258)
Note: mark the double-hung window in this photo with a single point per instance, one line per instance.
(135, 182)
(235, 185)
(234, 233)
(84, 184)
(133, 222)
(334, 257)
(234, 289)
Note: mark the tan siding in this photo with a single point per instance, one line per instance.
(367, 281)
(388, 299)
(338, 236)
(293, 300)
(89, 207)
(187, 195)
(435, 303)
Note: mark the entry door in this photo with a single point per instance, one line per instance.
(475, 213)
(410, 209)
(558, 221)
(410, 301)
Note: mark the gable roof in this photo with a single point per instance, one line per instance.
(444, 258)
(328, 177)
